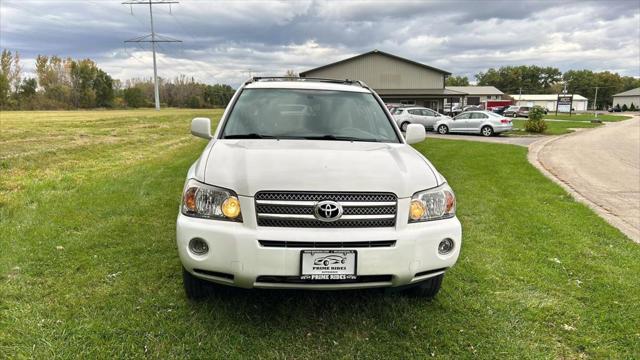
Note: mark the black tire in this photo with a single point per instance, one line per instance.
(428, 288)
(404, 125)
(196, 289)
(326, 263)
(443, 129)
(486, 131)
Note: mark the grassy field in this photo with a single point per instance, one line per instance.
(553, 127)
(586, 117)
(89, 269)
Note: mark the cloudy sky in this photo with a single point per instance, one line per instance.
(224, 40)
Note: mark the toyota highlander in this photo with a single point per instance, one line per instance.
(310, 184)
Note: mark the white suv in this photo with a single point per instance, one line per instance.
(309, 184)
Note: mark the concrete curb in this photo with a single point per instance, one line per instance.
(534, 158)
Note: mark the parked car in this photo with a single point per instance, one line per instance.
(472, 108)
(482, 122)
(451, 110)
(416, 115)
(614, 108)
(517, 111)
(500, 109)
(275, 194)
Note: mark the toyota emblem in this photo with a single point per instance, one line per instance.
(328, 210)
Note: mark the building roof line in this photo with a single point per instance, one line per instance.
(376, 51)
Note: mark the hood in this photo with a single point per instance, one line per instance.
(249, 166)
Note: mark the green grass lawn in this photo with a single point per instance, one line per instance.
(89, 268)
(553, 127)
(586, 117)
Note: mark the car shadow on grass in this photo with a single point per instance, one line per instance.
(310, 310)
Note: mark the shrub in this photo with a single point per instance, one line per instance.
(632, 107)
(536, 123)
(624, 107)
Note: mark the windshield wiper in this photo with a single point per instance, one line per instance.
(339, 138)
(250, 136)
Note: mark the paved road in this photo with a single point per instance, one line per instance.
(513, 140)
(601, 167)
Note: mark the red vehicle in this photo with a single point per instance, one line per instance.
(490, 105)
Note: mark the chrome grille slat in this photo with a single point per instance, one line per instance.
(327, 244)
(296, 209)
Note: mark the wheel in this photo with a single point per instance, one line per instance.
(443, 129)
(195, 288)
(486, 131)
(428, 288)
(404, 125)
(326, 263)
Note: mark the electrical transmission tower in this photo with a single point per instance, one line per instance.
(152, 38)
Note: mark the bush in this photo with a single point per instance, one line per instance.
(624, 107)
(536, 123)
(632, 107)
(134, 97)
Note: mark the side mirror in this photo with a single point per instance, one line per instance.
(415, 133)
(201, 127)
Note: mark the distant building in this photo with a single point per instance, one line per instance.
(394, 78)
(580, 103)
(475, 95)
(627, 98)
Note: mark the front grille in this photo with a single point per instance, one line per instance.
(273, 279)
(296, 209)
(327, 244)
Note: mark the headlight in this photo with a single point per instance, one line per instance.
(434, 204)
(210, 202)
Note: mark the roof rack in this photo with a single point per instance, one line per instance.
(311, 79)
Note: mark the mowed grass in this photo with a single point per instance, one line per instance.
(586, 117)
(553, 127)
(89, 268)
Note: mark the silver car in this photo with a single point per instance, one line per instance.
(482, 122)
(417, 115)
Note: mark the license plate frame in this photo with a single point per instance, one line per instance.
(330, 271)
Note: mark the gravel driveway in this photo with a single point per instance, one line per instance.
(600, 167)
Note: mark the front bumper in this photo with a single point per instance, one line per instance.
(237, 258)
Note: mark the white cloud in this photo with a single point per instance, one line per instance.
(224, 39)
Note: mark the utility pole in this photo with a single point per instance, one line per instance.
(595, 107)
(154, 38)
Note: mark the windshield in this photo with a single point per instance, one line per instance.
(308, 114)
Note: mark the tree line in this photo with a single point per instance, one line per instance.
(549, 80)
(80, 84)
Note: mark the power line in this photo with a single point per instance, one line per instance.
(152, 38)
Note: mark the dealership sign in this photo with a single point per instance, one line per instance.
(564, 103)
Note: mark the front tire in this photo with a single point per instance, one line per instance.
(427, 289)
(195, 288)
(486, 131)
(443, 129)
(404, 125)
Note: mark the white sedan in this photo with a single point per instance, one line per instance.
(482, 122)
(416, 115)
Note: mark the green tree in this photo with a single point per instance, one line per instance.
(103, 87)
(511, 79)
(457, 81)
(28, 88)
(134, 97)
(83, 74)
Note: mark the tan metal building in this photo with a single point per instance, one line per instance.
(395, 79)
(627, 98)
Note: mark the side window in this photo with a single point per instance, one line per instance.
(398, 111)
(428, 112)
(462, 116)
(478, 116)
(415, 112)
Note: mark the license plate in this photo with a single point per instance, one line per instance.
(328, 264)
